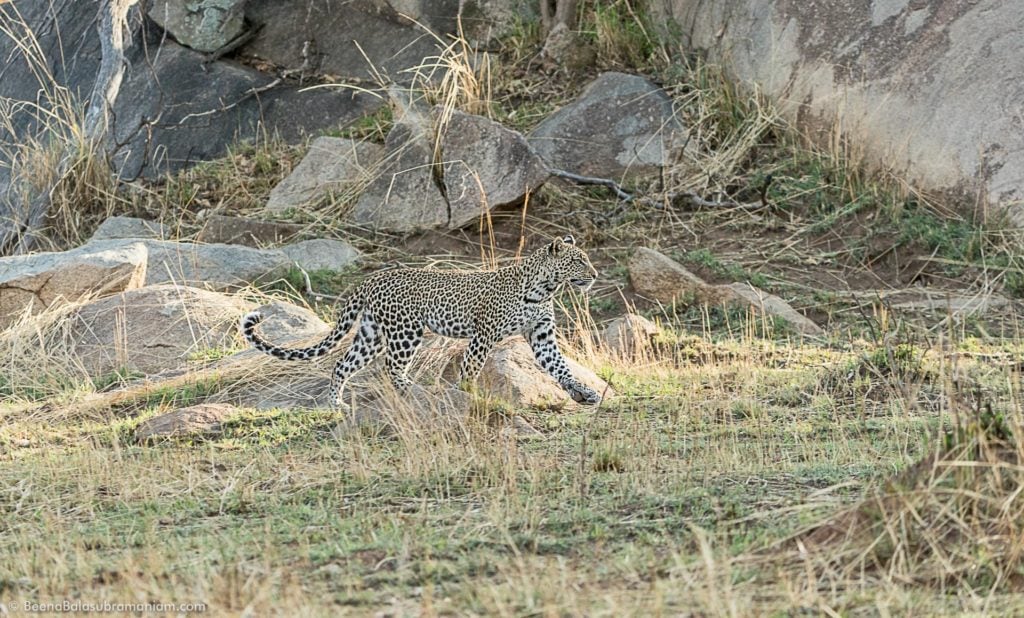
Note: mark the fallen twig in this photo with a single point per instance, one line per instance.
(627, 198)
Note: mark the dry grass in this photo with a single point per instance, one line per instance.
(55, 157)
(703, 487)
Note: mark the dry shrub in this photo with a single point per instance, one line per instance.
(952, 521)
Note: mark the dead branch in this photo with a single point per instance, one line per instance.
(670, 198)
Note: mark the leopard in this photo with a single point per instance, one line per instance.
(397, 306)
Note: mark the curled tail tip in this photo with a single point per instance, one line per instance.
(251, 319)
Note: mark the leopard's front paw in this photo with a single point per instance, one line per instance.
(581, 393)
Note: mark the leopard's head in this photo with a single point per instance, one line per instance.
(567, 263)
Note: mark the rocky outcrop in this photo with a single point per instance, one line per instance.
(350, 40)
(485, 166)
(166, 116)
(659, 278)
(333, 166)
(153, 329)
(930, 90)
(621, 126)
(31, 283)
(203, 418)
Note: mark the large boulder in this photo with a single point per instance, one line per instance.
(621, 126)
(930, 90)
(153, 329)
(404, 196)
(168, 93)
(203, 25)
(322, 254)
(350, 40)
(31, 283)
(333, 166)
(485, 166)
(219, 267)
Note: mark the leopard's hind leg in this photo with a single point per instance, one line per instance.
(366, 345)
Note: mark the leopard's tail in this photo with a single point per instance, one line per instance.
(346, 318)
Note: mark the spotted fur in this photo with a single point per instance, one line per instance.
(484, 307)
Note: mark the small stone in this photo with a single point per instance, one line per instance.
(204, 418)
(629, 335)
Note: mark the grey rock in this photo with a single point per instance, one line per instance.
(404, 196)
(659, 278)
(244, 231)
(929, 90)
(620, 126)
(333, 165)
(203, 418)
(166, 115)
(322, 254)
(203, 25)
(153, 329)
(954, 303)
(215, 266)
(771, 304)
(511, 372)
(485, 166)
(352, 39)
(31, 283)
(128, 227)
(630, 336)
(290, 325)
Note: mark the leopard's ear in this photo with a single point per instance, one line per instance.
(556, 246)
(569, 240)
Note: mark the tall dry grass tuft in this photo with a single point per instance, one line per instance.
(36, 359)
(952, 521)
(458, 78)
(726, 126)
